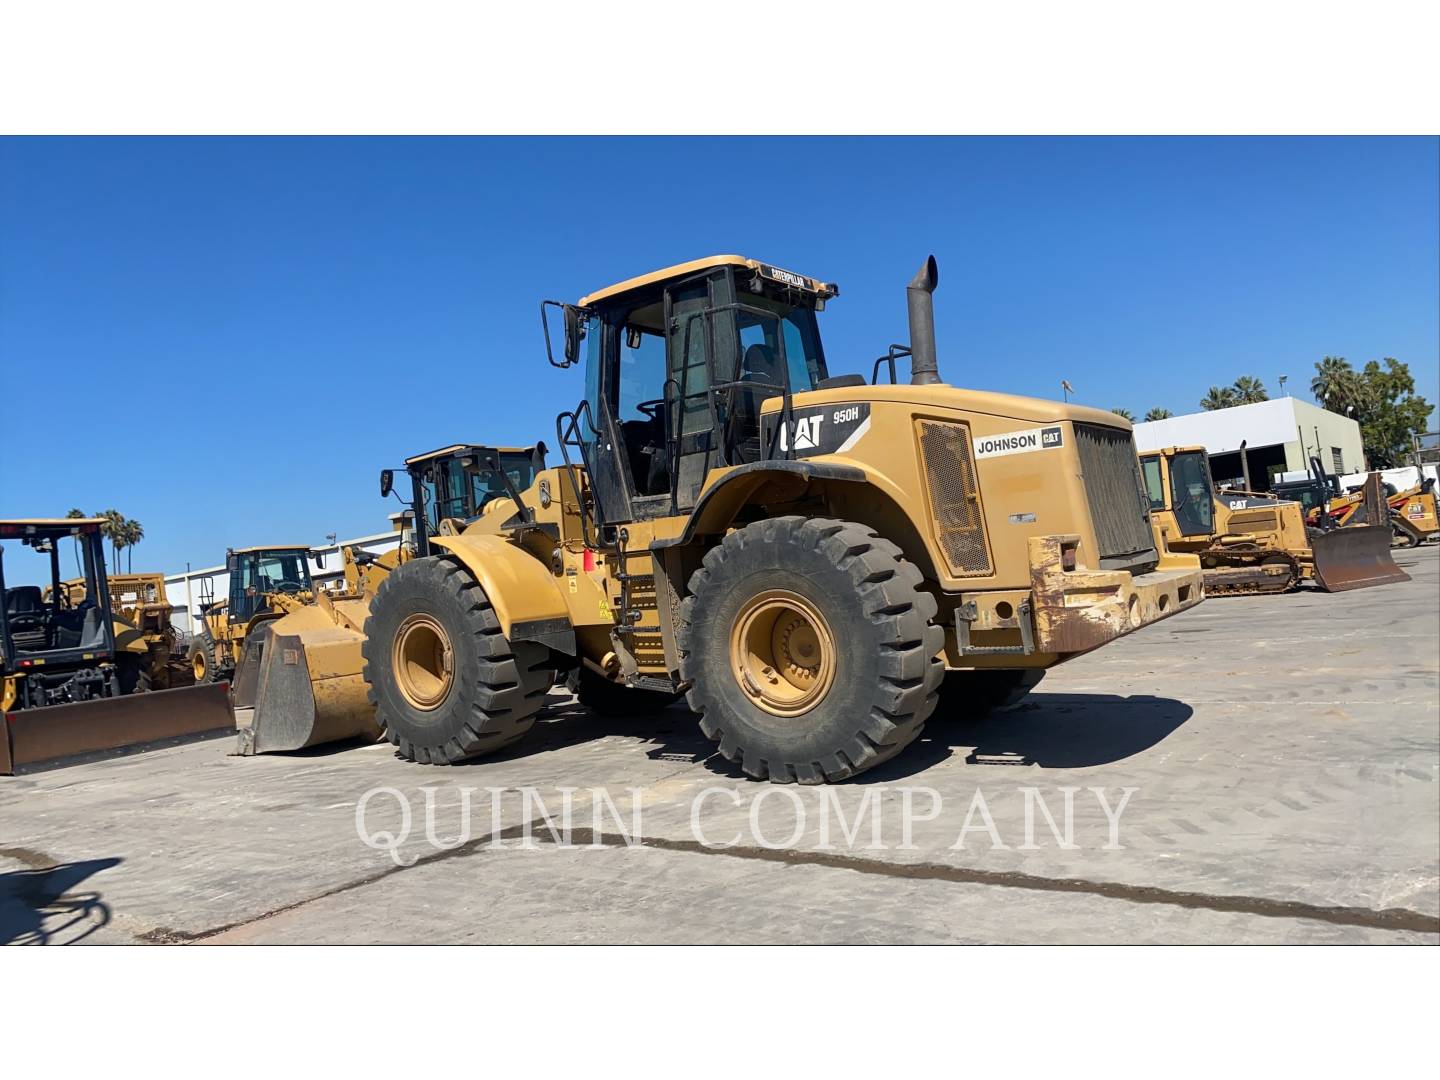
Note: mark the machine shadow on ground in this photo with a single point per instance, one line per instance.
(37, 906)
(1051, 731)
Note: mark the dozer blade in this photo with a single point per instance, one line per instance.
(1354, 557)
(308, 690)
(46, 737)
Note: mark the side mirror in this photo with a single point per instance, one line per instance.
(387, 482)
(574, 333)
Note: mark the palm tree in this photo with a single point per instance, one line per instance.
(1249, 390)
(75, 541)
(1335, 384)
(114, 531)
(1126, 413)
(134, 533)
(1219, 397)
(1158, 413)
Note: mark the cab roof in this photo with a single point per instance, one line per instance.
(457, 448)
(53, 526)
(695, 266)
(270, 547)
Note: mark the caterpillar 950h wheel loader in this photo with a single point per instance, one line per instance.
(299, 683)
(1250, 543)
(74, 671)
(803, 555)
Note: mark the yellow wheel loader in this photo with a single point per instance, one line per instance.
(803, 555)
(1250, 543)
(262, 580)
(73, 671)
(300, 682)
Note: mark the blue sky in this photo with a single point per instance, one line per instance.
(253, 328)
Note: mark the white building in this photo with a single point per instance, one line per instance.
(1280, 436)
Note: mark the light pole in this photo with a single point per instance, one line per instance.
(1066, 388)
(1282, 384)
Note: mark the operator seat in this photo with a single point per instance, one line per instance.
(757, 366)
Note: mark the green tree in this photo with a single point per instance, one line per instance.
(1249, 390)
(75, 541)
(1219, 397)
(1158, 413)
(1126, 413)
(1389, 411)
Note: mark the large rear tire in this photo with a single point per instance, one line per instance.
(134, 674)
(809, 649)
(446, 683)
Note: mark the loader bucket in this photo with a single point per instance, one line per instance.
(36, 738)
(1354, 557)
(309, 690)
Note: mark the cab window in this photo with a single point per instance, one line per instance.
(1194, 506)
(1154, 486)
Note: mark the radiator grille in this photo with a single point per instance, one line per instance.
(959, 520)
(1119, 508)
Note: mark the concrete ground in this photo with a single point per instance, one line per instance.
(1283, 755)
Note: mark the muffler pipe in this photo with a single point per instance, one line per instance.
(924, 365)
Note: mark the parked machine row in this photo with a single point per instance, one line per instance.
(815, 562)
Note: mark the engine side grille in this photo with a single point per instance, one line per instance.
(959, 519)
(1118, 505)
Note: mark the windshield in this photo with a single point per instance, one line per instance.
(1190, 491)
(271, 570)
(761, 339)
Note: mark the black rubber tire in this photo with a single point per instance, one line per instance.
(975, 692)
(497, 689)
(600, 695)
(202, 643)
(133, 673)
(888, 671)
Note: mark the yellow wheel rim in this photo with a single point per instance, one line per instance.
(423, 662)
(782, 652)
(199, 663)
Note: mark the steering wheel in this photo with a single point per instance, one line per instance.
(651, 409)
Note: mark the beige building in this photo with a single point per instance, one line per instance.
(1279, 436)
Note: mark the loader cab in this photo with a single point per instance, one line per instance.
(677, 365)
(1179, 481)
(459, 483)
(256, 572)
(57, 643)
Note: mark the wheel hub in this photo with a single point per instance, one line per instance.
(782, 652)
(423, 662)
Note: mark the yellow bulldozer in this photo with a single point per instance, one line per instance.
(1251, 543)
(300, 682)
(804, 556)
(142, 612)
(75, 667)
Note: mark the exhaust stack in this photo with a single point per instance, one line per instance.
(924, 365)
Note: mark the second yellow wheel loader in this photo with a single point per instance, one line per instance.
(300, 680)
(1251, 543)
(803, 555)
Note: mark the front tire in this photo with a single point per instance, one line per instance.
(133, 673)
(446, 683)
(809, 649)
(202, 659)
